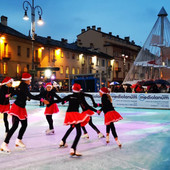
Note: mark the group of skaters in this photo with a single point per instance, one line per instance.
(73, 117)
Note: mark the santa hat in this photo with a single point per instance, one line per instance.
(7, 80)
(26, 76)
(104, 90)
(48, 84)
(76, 88)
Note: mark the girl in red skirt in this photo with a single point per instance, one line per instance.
(51, 107)
(110, 114)
(5, 92)
(73, 118)
(19, 113)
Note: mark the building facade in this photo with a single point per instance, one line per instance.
(60, 60)
(124, 51)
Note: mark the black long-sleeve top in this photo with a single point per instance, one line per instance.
(74, 102)
(84, 105)
(22, 94)
(106, 105)
(3, 91)
(49, 95)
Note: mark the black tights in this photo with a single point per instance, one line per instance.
(92, 125)
(11, 131)
(78, 135)
(50, 121)
(6, 122)
(112, 127)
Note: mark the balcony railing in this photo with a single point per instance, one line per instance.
(6, 56)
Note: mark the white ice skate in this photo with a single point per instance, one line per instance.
(85, 136)
(74, 152)
(107, 139)
(118, 143)
(49, 132)
(100, 135)
(62, 144)
(4, 148)
(19, 144)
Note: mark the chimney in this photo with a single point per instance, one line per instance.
(99, 29)
(4, 20)
(133, 42)
(49, 37)
(110, 33)
(82, 30)
(117, 36)
(65, 40)
(93, 27)
(88, 27)
(62, 39)
(127, 38)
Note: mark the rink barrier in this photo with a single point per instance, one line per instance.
(130, 100)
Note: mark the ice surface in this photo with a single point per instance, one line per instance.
(144, 133)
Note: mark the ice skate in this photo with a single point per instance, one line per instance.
(107, 139)
(19, 144)
(100, 135)
(118, 143)
(74, 153)
(4, 148)
(62, 144)
(49, 132)
(85, 136)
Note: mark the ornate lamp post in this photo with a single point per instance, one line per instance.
(124, 64)
(40, 22)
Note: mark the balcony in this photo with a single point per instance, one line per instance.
(6, 56)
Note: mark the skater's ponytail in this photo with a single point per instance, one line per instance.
(109, 97)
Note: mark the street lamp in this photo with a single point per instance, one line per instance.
(124, 63)
(40, 22)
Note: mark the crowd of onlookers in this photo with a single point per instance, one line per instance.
(137, 88)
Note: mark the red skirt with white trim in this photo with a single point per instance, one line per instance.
(89, 112)
(51, 109)
(112, 116)
(74, 118)
(20, 112)
(4, 108)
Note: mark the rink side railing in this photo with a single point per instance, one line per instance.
(130, 100)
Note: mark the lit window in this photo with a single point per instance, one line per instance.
(18, 68)
(5, 68)
(73, 70)
(61, 69)
(67, 70)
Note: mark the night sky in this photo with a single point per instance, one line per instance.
(66, 18)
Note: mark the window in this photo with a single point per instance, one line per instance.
(73, 56)
(36, 55)
(73, 70)
(18, 68)
(28, 52)
(19, 50)
(103, 63)
(61, 69)
(28, 67)
(97, 63)
(67, 70)
(4, 68)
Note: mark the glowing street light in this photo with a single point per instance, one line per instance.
(40, 22)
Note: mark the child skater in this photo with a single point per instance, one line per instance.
(5, 92)
(51, 107)
(110, 114)
(19, 113)
(73, 118)
(89, 111)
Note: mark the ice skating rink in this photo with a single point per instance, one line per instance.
(144, 134)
